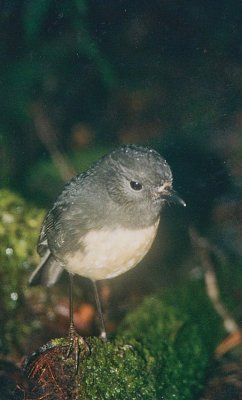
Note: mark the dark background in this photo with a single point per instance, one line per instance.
(164, 73)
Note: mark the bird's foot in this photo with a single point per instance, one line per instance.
(77, 346)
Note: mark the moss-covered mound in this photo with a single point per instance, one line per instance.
(19, 229)
(160, 352)
(179, 330)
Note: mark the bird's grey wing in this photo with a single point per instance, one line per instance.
(47, 272)
(63, 229)
(69, 220)
(49, 269)
(42, 246)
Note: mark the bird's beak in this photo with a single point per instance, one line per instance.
(167, 193)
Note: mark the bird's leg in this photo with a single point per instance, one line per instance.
(74, 339)
(103, 334)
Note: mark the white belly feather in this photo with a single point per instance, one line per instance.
(110, 253)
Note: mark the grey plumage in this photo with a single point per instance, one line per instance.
(102, 199)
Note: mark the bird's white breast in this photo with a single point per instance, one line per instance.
(108, 253)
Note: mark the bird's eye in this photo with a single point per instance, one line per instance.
(135, 185)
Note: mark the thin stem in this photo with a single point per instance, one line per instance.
(103, 334)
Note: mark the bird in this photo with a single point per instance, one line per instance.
(105, 220)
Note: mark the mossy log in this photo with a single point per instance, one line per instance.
(160, 352)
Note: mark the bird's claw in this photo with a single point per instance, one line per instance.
(77, 345)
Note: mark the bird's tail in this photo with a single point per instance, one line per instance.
(47, 272)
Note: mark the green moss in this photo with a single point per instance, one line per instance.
(117, 371)
(175, 336)
(161, 351)
(19, 229)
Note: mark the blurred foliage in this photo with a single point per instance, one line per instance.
(131, 72)
(47, 56)
(19, 229)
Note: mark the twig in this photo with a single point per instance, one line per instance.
(204, 250)
(48, 137)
